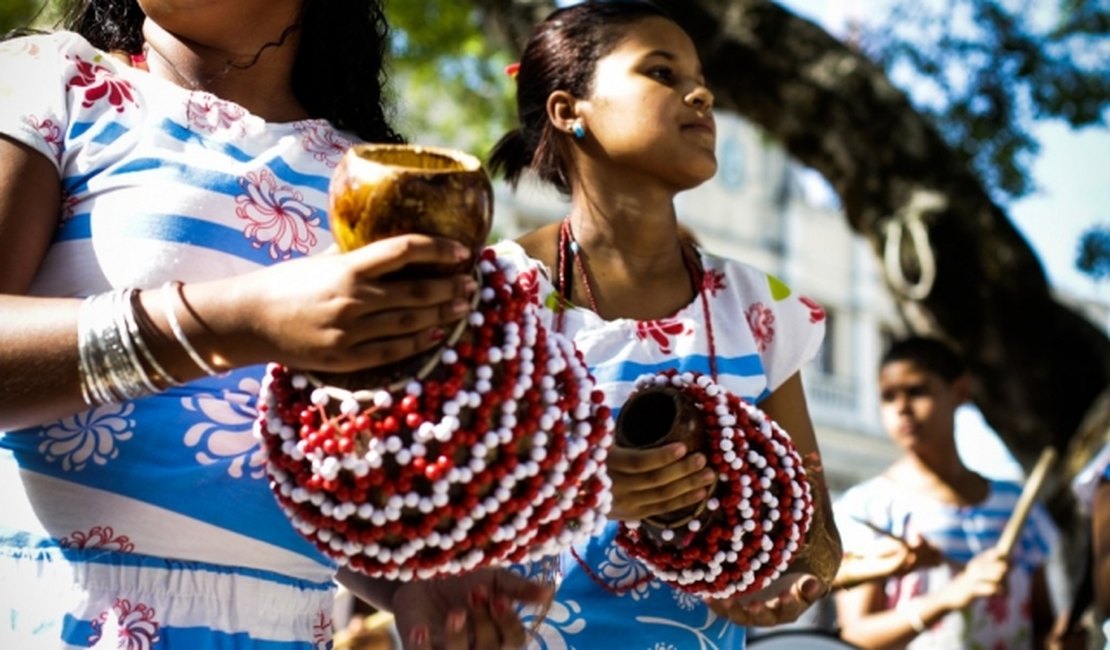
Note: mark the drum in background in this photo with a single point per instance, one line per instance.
(799, 640)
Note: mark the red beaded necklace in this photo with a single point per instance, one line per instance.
(570, 253)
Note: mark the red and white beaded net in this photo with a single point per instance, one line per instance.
(496, 457)
(755, 519)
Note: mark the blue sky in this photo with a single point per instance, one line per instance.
(1070, 172)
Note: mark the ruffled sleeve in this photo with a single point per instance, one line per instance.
(786, 328)
(33, 80)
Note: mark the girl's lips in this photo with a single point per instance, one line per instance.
(705, 124)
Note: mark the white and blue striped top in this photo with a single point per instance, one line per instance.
(960, 533)
(152, 520)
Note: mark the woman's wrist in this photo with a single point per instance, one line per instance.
(911, 610)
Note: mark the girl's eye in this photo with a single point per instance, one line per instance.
(662, 73)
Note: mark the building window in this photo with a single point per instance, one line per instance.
(826, 357)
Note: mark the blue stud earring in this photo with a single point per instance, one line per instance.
(579, 130)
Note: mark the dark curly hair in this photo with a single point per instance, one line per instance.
(339, 72)
(561, 54)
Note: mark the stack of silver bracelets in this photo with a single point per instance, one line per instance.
(116, 364)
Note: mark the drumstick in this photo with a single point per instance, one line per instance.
(1011, 532)
(878, 530)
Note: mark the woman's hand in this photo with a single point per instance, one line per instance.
(338, 312)
(476, 611)
(781, 602)
(652, 482)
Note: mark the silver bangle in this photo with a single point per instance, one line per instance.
(109, 367)
(144, 349)
(179, 334)
(133, 374)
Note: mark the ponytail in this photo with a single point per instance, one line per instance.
(561, 54)
(510, 157)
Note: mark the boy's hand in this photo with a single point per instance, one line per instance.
(984, 576)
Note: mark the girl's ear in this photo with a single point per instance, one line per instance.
(562, 110)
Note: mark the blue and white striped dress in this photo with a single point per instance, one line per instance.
(149, 524)
(763, 334)
(959, 533)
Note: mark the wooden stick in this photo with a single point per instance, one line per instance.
(1012, 531)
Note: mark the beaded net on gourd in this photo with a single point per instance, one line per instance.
(496, 457)
(755, 519)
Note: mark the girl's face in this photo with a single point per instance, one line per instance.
(649, 109)
(917, 406)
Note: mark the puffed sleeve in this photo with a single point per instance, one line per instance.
(786, 328)
(33, 103)
(801, 331)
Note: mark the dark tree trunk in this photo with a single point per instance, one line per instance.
(1039, 367)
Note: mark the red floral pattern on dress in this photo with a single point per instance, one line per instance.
(321, 631)
(761, 320)
(209, 113)
(98, 537)
(998, 609)
(51, 134)
(100, 83)
(323, 143)
(661, 331)
(279, 218)
(132, 626)
(69, 206)
(529, 284)
(713, 281)
(816, 311)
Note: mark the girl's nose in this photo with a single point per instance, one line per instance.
(701, 99)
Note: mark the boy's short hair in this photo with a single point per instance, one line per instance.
(932, 355)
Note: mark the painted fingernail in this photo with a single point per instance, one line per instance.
(456, 621)
(699, 461)
(707, 476)
(478, 597)
(461, 252)
(460, 306)
(470, 285)
(679, 450)
(437, 334)
(419, 635)
(500, 605)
